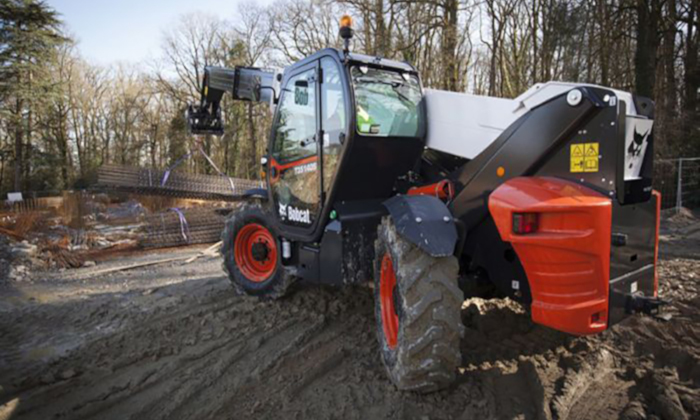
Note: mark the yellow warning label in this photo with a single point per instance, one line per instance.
(584, 157)
(592, 150)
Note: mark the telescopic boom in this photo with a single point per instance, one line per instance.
(244, 84)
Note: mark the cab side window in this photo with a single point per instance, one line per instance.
(333, 118)
(296, 128)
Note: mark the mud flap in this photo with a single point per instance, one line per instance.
(425, 221)
(260, 193)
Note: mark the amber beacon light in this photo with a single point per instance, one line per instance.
(346, 21)
(346, 32)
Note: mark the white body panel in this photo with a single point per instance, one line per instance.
(464, 125)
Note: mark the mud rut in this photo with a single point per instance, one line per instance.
(175, 342)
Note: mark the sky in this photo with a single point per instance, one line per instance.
(110, 31)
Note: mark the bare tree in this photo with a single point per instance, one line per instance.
(189, 46)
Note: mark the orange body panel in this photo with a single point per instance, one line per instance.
(567, 260)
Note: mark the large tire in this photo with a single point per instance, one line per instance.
(252, 254)
(421, 350)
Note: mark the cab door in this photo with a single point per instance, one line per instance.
(334, 103)
(293, 169)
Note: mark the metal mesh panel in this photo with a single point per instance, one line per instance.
(175, 184)
(678, 181)
(183, 227)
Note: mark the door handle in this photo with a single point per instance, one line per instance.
(309, 141)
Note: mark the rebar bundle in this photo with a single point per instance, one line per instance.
(183, 227)
(174, 184)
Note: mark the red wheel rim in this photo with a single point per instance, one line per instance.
(255, 252)
(387, 283)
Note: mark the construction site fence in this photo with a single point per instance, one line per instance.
(678, 181)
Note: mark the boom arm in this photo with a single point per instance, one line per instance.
(244, 83)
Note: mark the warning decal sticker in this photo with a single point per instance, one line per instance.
(584, 157)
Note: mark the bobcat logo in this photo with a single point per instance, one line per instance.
(635, 148)
(283, 211)
(298, 215)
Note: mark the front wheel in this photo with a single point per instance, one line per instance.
(252, 254)
(417, 308)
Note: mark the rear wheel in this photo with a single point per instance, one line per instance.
(417, 308)
(252, 256)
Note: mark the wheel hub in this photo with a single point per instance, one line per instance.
(255, 252)
(260, 251)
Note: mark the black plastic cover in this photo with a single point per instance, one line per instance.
(256, 193)
(425, 221)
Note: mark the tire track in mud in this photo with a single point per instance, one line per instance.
(99, 320)
(195, 392)
(150, 364)
(193, 349)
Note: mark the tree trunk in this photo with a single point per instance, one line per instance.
(449, 45)
(19, 145)
(63, 150)
(494, 50)
(250, 150)
(29, 130)
(692, 75)
(380, 41)
(368, 31)
(666, 90)
(647, 45)
(27, 158)
(535, 50)
(154, 143)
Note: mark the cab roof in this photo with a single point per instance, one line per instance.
(358, 59)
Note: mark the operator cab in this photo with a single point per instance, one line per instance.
(370, 117)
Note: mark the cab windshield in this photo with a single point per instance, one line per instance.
(388, 103)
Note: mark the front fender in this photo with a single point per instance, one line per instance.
(425, 221)
(256, 193)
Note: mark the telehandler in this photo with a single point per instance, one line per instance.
(546, 198)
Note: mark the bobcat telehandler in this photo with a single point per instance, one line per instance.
(547, 198)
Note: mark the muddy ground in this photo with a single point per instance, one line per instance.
(173, 341)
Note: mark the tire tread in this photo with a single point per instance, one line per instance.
(427, 355)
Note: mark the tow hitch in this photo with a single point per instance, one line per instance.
(644, 304)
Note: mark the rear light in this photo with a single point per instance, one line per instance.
(524, 223)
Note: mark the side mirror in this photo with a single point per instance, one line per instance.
(263, 170)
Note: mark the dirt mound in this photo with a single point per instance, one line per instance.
(680, 234)
(176, 342)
